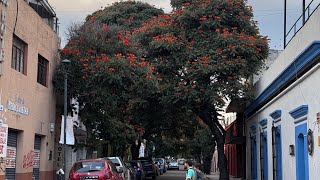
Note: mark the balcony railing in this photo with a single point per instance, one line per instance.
(305, 16)
(46, 12)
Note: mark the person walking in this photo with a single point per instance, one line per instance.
(200, 174)
(191, 173)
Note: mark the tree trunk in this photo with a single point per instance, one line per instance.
(210, 117)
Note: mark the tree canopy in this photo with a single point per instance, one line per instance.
(205, 53)
(150, 72)
(105, 75)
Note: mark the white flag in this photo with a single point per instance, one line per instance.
(141, 150)
(69, 131)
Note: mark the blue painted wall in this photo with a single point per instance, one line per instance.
(302, 163)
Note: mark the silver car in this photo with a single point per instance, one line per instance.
(117, 161)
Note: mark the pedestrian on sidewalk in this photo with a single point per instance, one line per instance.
(191, 173)
(200, 175)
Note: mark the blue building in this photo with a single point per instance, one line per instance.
(282, 124)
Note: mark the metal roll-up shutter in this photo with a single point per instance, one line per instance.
(36, 160)
(11, 155)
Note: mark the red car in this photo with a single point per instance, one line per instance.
(94, 169)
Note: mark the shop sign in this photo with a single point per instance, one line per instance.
(17, 107)
(36, 158)
(3, 139)
(11, 157)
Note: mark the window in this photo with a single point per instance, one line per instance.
(18, 55)
(42, 70)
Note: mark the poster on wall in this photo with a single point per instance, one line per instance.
(36, 158)
(3, 140)
(11, 157)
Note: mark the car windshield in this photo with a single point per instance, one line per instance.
(160, 161)
(134, 164)
(181, 162)
(89, 166)
(145, 162)
(115, 162)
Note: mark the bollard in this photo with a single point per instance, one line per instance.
(60, 174)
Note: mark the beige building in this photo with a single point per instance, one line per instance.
(28, 55)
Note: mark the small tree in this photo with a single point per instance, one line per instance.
(205, 52)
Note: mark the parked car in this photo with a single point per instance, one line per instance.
(149, 167)
(98, 169)
(140, 174)
(120, 165)
(181, 164)
(163, 164)
(173, 165)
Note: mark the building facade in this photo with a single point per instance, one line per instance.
(28, 55)
(283, 122)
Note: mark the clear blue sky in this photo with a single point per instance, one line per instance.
(268, 13)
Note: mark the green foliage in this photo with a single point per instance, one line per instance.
(134, 68)
(105, 75)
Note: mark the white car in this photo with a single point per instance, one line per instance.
(181, 164)
(173, 165)
(117, 161)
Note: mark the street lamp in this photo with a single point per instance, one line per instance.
(65, 64)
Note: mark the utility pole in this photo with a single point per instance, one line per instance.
(65, 63)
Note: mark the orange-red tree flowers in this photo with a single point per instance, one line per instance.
(131, 54)
(107, 71)
(205, 49)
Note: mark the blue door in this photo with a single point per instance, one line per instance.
(300, 157)
(254, 158)
(265, 153)
(278, 156)
(302, 165)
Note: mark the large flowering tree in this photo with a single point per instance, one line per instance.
(105, 74)
(204, 52)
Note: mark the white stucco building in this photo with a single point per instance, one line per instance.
(287, 100)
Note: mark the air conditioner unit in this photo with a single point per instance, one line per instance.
(2, 29)
(3, 16)
(5, 2)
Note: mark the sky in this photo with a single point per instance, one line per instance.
(268, 13)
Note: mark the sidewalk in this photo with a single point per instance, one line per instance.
(216, 177)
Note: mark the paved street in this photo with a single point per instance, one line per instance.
(180, 175)
(172, 175)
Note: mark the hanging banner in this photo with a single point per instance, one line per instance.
(3, 140)
(69, 131)
(11, 157)
(36, 158)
